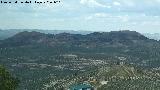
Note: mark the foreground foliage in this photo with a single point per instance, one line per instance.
(7, 82)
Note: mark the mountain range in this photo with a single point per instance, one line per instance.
(96, 38)
(11, 32)
(39, 58)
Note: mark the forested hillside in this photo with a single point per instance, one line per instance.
(52, 61)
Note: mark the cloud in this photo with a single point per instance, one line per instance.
(93, 3)
(101, 15)
(107, 17)
(97, 15)
(116, 3)
(130, 3)
(124, 18)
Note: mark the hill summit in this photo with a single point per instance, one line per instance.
(93, 39)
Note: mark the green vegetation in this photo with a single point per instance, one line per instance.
(47, 61)
(7, 82)
(124, 77)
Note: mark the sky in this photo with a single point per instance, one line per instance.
(86, 15)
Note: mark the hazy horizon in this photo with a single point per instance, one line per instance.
(80, 30)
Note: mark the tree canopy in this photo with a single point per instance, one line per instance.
(7, 81)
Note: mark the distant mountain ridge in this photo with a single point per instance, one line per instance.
(96, 38)
(11, 32)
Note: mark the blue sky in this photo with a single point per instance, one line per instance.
(90, 15)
